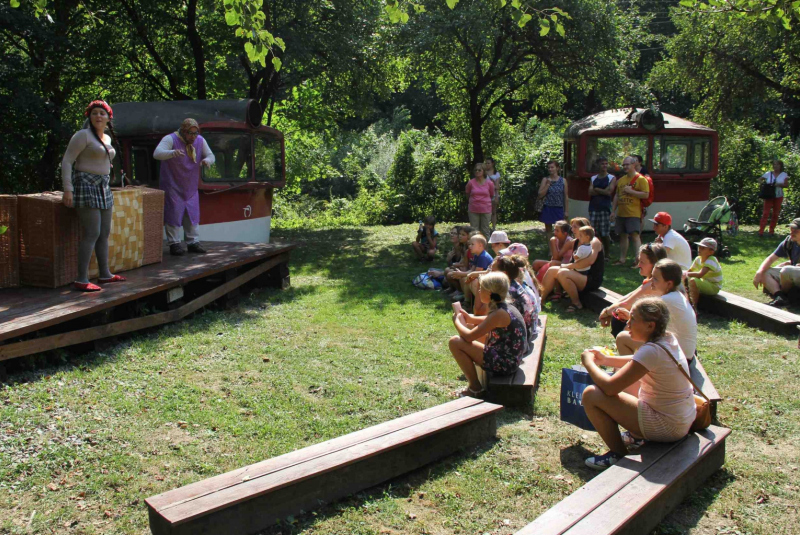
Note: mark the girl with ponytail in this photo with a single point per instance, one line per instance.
(503, 330)
(87, 189)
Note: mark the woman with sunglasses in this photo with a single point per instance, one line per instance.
(182, 154)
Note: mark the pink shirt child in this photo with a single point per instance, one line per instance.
(480, 196)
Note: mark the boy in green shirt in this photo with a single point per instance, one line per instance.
(705, 274)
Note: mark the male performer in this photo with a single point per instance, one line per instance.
(182, 153)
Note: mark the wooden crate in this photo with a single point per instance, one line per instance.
(9, 244)
(49, 234)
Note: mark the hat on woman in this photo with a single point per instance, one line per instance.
(498, 236)
(514, 248)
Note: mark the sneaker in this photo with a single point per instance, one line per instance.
(197, 248)
(176, 249)
(780, 301)
(631, 441)
(601, 462)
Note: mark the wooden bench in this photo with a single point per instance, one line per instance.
(760, 315)
(634, 495)
(253, 498)
(519, 388)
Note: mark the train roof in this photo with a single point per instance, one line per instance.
(149, 118)
(620, 119)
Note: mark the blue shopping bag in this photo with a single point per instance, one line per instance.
(573, 383)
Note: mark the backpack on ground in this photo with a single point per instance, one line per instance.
(425, 282)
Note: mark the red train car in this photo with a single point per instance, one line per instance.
(235, 192)
(682, 158)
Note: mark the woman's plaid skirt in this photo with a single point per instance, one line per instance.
(91, 191)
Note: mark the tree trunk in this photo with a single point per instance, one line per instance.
(476, 127)
(197, 49)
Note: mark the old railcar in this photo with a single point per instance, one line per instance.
(679, 155)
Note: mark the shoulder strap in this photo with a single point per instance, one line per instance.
(696, 388)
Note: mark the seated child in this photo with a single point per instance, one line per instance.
(478, 263)
(425, 244)
(705, 274)
(452, 278)
(499, 241)
(584, 250)
(560, 250)
(506, 341)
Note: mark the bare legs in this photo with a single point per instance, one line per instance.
(607, 413)
(467, 355)
(623, 246)
(572, 282)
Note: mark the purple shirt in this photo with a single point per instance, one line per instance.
(180, 178)
(480, 196)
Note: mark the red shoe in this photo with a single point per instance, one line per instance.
(115, 278)
(86, 287)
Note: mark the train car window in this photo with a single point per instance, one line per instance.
(571, 154)
(144, 168)
(673, 154)
(233, 154)
(269, 160)
(615, 148)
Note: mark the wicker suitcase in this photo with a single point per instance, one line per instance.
(153, 202)
(9, 244)
(49, 233)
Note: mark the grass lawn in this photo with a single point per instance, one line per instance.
(84, 440)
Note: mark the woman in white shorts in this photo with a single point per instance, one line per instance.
(663, 410)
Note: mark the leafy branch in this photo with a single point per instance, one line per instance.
(777, 12)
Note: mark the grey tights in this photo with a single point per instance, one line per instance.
(95, 228)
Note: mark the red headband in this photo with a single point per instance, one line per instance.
(99, 104)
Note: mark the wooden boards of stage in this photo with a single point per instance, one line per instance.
(32, 310)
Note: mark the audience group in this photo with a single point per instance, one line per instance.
(498, 293)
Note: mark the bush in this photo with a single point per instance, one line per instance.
(745, 155)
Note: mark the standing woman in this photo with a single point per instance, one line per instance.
(494, 175)
(480, 191)
(777, 178)
(86, 188)
(554, 191)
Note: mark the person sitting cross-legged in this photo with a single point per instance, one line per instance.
(663, 408)
(779, 280)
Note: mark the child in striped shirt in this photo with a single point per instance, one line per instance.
(705, 274)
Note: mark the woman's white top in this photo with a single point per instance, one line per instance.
(779, 180)
(682, 322)
(164, 151)
(87, 155)
(664, 387)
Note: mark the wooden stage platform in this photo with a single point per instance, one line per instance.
(33, 320)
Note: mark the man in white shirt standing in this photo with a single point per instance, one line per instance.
(678, 249)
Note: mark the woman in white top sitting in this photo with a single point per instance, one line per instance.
(663, 408)
(87, 189)
(666, 281)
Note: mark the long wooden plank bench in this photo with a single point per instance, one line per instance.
(634, 495)
(760, 315)
(598, 299)
(253, 498)
(519, 388)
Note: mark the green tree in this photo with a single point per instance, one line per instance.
(480, 58)
(735, 69)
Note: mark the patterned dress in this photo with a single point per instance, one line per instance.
(505, 347)
(525, 305)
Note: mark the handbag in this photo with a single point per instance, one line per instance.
(702, 418)
(573, 383)
(768, 190)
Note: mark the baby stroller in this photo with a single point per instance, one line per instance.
(713, 216)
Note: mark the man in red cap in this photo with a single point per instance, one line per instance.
(678, 249)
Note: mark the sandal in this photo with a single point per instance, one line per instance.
(114, 278)
(555, 297)
(573, 309)
(468, 392)
(618, 263)
(86, 287)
